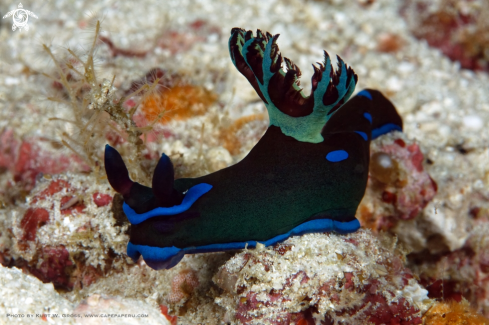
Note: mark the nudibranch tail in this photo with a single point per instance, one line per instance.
(385, 117)
(300, 116)
(369, 114)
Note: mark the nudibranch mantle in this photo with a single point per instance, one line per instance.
(307, 173)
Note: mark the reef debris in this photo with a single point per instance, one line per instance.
(322, 278)
(399, 187)
(458, 28)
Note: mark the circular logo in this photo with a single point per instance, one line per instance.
(20, 18)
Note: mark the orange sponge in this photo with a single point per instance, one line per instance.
(453, 313)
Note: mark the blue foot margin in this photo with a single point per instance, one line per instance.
(167, 257)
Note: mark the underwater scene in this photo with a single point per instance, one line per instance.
(292, 162)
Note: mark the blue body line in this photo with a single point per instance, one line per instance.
(363, 135)
(386, 128)
(365, 93)
(193, 194)
(167, 257)
(368, 117)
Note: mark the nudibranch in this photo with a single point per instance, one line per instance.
(307, 173)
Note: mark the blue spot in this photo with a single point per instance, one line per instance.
(368, 117)
(337, 155)
(385, 129)
(167, 257)
(193, 194)
(365, 93)
(363, 134)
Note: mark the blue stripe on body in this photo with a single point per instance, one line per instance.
(368, 117)
(365, 93)
(167, 257)
(363, 135)
(386, 128)
(193, 194)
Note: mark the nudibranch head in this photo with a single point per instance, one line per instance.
(137, 197)
(299, 116)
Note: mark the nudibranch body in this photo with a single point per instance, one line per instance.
(307, 173)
